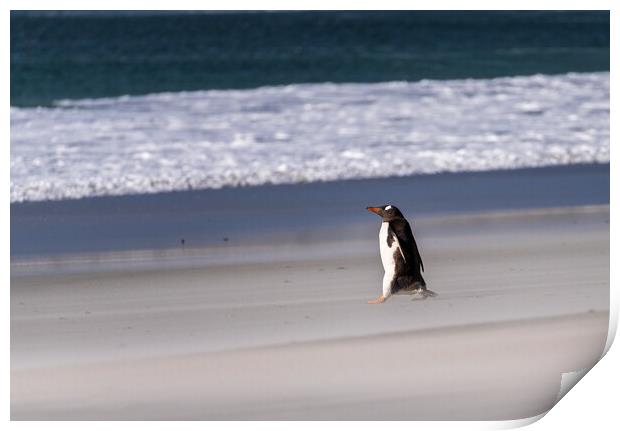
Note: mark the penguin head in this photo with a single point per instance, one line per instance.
(386, 212)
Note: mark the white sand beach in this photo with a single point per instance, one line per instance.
(284, 332)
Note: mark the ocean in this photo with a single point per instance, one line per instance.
(133, 102)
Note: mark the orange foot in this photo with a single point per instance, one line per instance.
(379, 300)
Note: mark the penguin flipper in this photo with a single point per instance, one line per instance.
(407, 244)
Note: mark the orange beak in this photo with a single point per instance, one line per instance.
(374, 209)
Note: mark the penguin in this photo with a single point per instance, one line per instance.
(400, 256)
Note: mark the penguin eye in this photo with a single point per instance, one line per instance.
(387, 208)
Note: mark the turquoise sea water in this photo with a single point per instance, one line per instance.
(87, 55)
(118, 103)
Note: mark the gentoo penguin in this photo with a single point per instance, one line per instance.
(399, 254)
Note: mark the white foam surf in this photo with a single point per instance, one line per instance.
(306, 132)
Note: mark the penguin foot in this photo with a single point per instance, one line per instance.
(428, 293)
(424, 294)
(379, 300)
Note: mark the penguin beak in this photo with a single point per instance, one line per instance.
(375, 210)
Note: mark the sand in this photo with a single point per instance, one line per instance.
(283, 331)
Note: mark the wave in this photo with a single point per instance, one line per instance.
(304, 133)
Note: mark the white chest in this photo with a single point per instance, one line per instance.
(387, 252)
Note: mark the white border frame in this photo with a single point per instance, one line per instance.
(592, 404)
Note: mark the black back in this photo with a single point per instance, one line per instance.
(409, 271)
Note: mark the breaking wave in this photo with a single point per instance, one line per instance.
(305, 133)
